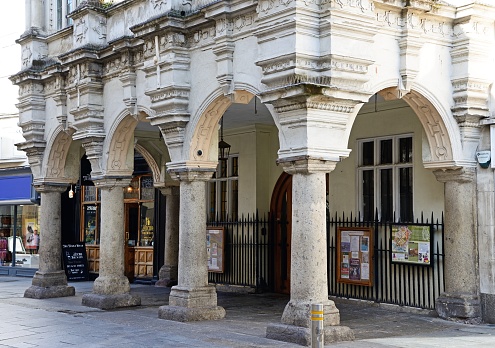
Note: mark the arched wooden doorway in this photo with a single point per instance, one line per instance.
(281, 210)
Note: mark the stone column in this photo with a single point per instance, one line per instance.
(168, 272)
(461, 299)
(309, 281)
(192, 299)
(50, 280)
(111, 289)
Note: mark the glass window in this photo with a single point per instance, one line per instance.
(90, 224)
(146, 229)
(223, 190)
(20, 235)
(391, 162)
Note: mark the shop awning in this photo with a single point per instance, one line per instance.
(16, 189)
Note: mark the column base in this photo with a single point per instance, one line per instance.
(298, 313)
(488, 308)
(184, 314)
(167, 276)
(192, 304)
(49, 285)
(202, 297)
(110, 301)
(459, 307)
(302, 335)
(111, 285)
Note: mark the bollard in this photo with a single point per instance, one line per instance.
(317, 326)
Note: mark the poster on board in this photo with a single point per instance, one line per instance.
(215, 241)
(411, 244)
(355, 255)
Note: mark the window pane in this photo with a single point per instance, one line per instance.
(222, 168)
(147, 223)
(89, 212)
(213, 200)
(223, 200)
(386, 195)
(89, 193)
(368, 156)
(147, 188)
(235, 166)
(386, 151)
(406, 194)
(368, 195)
(235, 195)
(405, 150)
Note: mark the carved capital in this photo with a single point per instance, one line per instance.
(306, 165)
(459, 175)
(112, 182)
(192, 171)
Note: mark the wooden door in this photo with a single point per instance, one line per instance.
(281, 210)
(131, 219)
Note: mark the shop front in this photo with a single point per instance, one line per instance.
(20, 235)
(141, 247)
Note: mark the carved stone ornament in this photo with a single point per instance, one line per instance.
(80, 30)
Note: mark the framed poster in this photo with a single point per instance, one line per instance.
(355, 255)
(411, 243)
(215, 240)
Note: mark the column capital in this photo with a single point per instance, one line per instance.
(460, 175)
(192, 170)
(306, 165)
(44, 187)
(170, 190)
(108, 182)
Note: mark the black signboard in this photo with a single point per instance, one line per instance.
(75, 261)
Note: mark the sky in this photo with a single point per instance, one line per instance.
(11, 28)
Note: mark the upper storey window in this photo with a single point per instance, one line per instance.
(63, 8)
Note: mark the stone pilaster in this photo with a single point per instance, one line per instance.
(111, 289)
(308, 282)
(50, 280)
(168, 272)
(461, 300)
(192, 299)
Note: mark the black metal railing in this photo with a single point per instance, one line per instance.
(247, 252)
(395, 283)
(249, 261)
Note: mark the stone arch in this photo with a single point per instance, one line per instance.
(148, 157)
(57, 150)
(442, 133)
(119, 138)
(204, 124)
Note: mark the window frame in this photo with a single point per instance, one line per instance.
(216, 181)
(377, 168)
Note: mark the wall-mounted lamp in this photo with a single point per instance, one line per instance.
(223, 147)
(129, 189)
(72, 192)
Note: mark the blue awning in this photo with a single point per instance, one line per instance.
(16, 189)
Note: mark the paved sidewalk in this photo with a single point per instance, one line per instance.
(64, 322)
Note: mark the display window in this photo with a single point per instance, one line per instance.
(20, 235)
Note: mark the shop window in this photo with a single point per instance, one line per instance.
(90, 214)
(223, 190)
(20, 235)
(385, 172)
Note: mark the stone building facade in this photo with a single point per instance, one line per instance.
(157, 76)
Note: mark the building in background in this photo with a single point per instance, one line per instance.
(19, 207)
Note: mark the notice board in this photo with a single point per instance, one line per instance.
(75, 261)
(215, 248)
(411, 243)
(355, 255)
